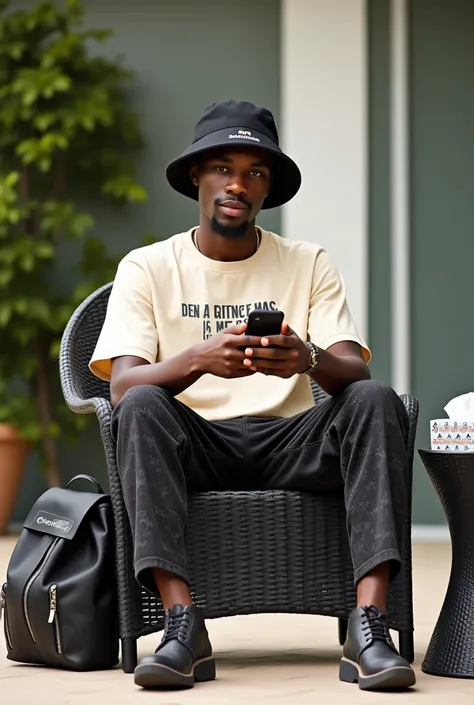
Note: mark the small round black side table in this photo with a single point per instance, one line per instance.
(451, 649)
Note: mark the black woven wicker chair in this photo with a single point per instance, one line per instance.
(248, 552)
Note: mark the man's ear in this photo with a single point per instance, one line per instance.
(194, 174)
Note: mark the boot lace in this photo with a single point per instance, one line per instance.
(375, 624)
(177, 626)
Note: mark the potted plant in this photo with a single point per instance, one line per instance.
(14, 447)
(67, 137)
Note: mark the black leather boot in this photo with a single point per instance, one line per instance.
(369, 656)
(184, 655)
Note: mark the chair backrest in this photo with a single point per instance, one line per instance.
(78, 344)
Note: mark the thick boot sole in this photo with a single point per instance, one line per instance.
(156, 675)
(396, 678)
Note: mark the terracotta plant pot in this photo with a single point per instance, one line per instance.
(13, 452)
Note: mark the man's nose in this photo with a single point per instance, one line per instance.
(236, 185)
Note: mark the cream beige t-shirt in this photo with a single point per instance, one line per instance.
(168, 297)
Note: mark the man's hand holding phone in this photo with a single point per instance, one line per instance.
(223, 355)
(282, 354)
(244, 349)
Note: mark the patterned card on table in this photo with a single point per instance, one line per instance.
(452, 435)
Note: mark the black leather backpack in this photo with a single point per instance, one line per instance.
(59, 600)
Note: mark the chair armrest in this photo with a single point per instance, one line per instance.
(103, 410)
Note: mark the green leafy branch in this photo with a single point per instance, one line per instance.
(67, 136)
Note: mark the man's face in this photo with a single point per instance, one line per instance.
(233, 184)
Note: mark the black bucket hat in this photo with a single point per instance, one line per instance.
(232, 123)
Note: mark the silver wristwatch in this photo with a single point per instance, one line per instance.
(314, 357)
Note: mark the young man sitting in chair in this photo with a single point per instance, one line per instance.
(201, 403)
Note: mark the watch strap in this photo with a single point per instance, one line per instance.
(314, 357)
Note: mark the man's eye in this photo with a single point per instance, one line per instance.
(221, 168)
(256, 173)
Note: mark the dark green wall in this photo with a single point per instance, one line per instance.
(441, 66)
(186, 54)
(442, 176)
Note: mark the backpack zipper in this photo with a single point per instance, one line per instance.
(30, 583)
(3, 608)
(53, 616)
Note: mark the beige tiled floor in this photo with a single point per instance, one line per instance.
(261, 659)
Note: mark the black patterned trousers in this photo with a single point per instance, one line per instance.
(354, 440)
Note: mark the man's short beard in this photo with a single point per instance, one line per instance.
(233, 232)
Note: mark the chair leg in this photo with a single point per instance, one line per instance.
(129, 655)
(406, 644)
(342, 628)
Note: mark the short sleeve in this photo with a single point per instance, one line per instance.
(330, 320)
(129, 327)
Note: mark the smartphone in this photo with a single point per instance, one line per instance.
(263, 322)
